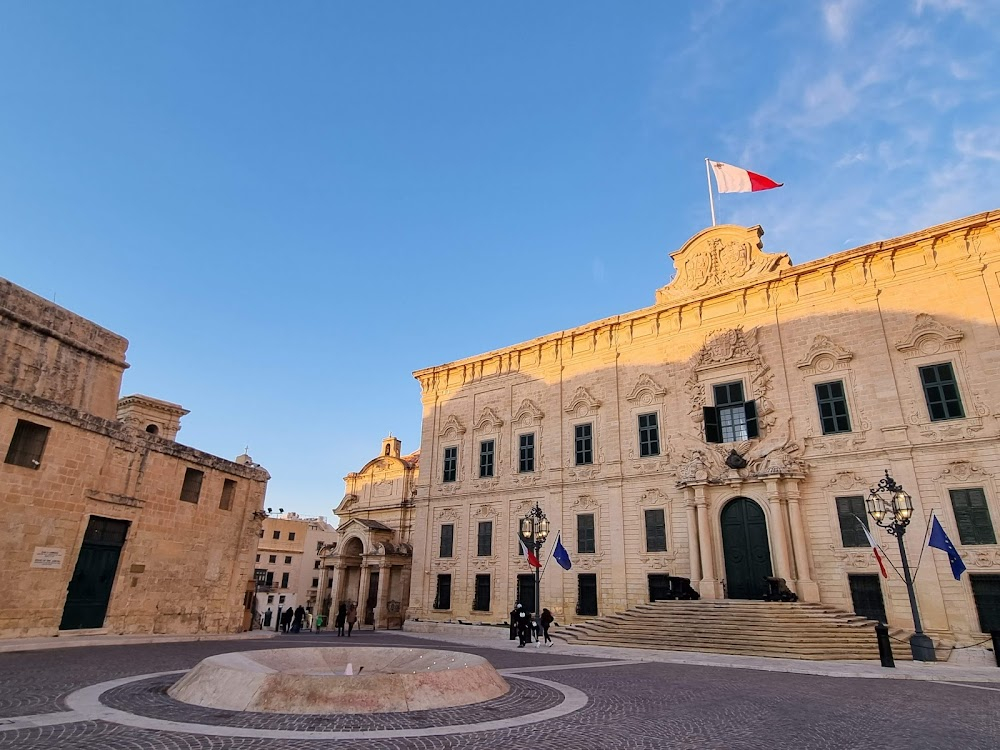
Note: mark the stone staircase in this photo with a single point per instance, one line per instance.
(747, 628)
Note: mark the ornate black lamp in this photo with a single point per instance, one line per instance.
(894, 515)
(534, 530)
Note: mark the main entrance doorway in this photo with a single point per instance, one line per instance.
(372, 598)
(90, 588)
(866, 596)
(744, 544)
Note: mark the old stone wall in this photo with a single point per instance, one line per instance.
(868, 318)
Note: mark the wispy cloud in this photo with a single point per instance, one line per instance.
(837, 18)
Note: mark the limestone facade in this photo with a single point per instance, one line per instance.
(730, 431)
(370, 566)
(109, 524)
(288, 562)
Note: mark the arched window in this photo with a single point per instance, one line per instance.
(387, 448)
(152, 429)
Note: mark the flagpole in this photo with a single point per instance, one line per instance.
(711, 200)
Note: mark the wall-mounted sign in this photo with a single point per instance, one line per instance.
(50, 558)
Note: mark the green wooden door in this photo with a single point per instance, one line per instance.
(747, 553)
(90, 588)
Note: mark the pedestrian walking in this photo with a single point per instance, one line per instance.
(523, 620)
(352, 618)
(547, 620)
(318, 621)
(286, 619)
(268, 614)
(297, 618)
(341, 618)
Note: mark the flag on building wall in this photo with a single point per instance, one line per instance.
(730, 179)
(940, 540)
(560, 554)
(874, 546)
(532, 558)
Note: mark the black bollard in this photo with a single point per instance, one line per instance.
(995, 635)
(884, 647)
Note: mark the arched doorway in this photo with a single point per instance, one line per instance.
(747, 553)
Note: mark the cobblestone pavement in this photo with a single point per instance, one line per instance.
(630, 706)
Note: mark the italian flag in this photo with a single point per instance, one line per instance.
(874, 545)
(730, 179)
(532, 558)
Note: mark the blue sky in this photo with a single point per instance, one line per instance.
(287, 208)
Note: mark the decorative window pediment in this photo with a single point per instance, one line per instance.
(929, 336)
(528, 413)
(646, 390)
(488, 420)
(582, 402)
(453, 428)
(824, 355)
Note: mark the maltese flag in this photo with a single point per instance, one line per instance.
(730, 179)
(532, 558)
(874, 546)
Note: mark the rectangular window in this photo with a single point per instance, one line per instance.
(450, 464)
(972, 516)
(272, 559)
(832, 405)
(481, 602)
(526, 453)
(849, 510)
(584, 444)
(276, 535)
(228, 494)
(731, 419)
(281, 599)
(27, 444)
(486, 449)
(649, 435)
(447, 540)
(484, 540)
(585, 542)
(288, 560)
(270, 598)
(315, 583)
(941, 392)
(191, 488)
(656, 530)
(258, 558)
(291, 536)
(269, 578)
(284, 580)
(442, 595)
(315, 564)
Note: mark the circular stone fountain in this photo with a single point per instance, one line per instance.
(339, 680)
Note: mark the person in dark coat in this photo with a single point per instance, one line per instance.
(286, 619)
(547, 619)
(523, 620)
(297, 618)
(513, 621)
(341, 618)
(268, 614)
(352, 618)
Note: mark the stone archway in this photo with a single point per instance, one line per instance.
(745, 549)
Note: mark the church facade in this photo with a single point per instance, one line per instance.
(730, 433)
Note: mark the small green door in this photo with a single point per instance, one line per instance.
(90, 588)
(747, 553)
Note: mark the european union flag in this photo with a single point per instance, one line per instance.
(940, 540)
(560, 554)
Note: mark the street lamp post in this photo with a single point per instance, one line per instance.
(894, 515)
(534, 530)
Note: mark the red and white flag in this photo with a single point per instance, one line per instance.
(532, 558)
(874, 545)
(730, 179)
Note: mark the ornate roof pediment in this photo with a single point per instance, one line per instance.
(720, 257)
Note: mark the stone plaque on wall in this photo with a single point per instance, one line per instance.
(50, 558)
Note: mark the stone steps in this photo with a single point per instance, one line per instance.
(746, 628)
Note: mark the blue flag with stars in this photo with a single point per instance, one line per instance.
(561, 555)
(940, 540)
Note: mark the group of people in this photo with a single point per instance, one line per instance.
(346, 615)
(524, 629)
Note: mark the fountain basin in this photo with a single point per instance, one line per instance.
(313, 680)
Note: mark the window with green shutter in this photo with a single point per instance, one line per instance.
(972, 516)
(849, 510)
(656, 530)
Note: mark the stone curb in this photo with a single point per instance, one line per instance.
(15, 645)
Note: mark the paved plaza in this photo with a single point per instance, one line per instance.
(114, 697)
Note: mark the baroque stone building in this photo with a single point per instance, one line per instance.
(370, 566)
(108, 521)
(730, 432)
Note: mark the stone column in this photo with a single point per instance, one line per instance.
(694, 555)
(382, 603)
(779, 539)
(363, 591)
(805, 586)
(339, 584)
(709, 587)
